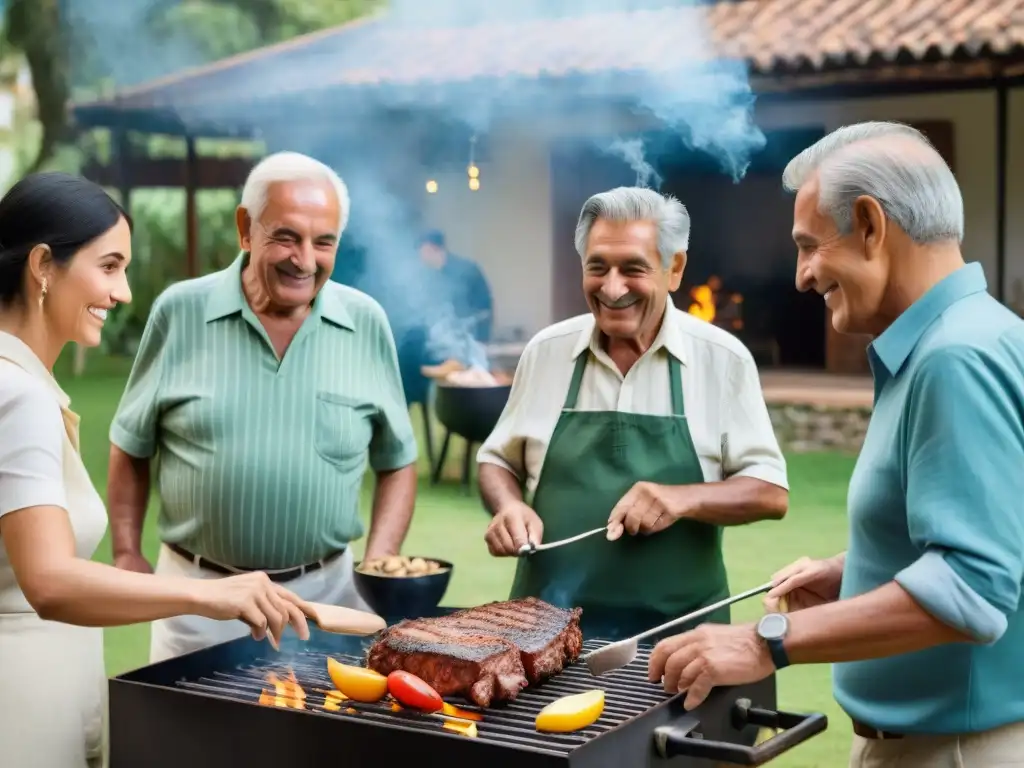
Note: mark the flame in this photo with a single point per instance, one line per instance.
(287, 693)
(705, 304)
(466, 729)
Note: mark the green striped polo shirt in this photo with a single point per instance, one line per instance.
(259, 460)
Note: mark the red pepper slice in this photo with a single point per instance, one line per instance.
(414, 692)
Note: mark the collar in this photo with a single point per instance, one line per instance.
(894, 345)
(18, 352)
(227, 298)
(670, 336)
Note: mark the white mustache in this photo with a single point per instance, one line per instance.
(622, 302)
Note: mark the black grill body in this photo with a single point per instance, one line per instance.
(201, 710)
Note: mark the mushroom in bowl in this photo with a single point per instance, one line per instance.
(399, 586)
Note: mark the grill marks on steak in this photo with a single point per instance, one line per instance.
(548, 637)
(478, 667)
(486, 654)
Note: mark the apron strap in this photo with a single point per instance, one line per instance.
(577, 378)
(675, 380)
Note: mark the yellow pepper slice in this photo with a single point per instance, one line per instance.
(571, 713)
(357, 683)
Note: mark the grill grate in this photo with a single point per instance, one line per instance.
(628, 694)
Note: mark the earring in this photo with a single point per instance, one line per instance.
(42, 294)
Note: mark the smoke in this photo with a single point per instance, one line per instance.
(632, 151)
(666, 81)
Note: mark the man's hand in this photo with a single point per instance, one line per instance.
(647, 508)
(132, 561)
(514, 525)
(805, 584)
(709, 656)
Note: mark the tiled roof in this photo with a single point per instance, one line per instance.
(775, 37)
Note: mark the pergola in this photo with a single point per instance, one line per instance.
(795, 49)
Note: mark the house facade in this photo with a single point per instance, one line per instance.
(814, 66)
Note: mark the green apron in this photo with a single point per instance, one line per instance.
(638, 582)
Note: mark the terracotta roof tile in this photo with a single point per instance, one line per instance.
(773, 36)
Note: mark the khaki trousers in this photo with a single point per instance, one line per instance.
(999, 748)
(332, 584)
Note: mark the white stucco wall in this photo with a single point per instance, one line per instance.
(507, 225)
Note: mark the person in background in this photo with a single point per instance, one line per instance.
(264, 389)
(65, 248)
(638, 417)
(456, 282)
(921, 615)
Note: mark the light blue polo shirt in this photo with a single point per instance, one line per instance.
(936, 502)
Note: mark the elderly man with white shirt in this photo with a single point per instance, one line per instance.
(637, 416)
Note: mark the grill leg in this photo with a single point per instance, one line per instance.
(467, 468)
(439, 466)
(428, 432)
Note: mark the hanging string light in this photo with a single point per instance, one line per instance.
(472, 171)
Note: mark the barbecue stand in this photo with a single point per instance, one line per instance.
(471, 413)
(201, 710)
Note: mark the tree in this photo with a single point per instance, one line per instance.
(71, 46)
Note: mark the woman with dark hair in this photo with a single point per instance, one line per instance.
(64, 248)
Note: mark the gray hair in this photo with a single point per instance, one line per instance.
(638, 204)
(891, 162)
(291, 166)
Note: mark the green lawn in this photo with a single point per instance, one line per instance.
(451, 525)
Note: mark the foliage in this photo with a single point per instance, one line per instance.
(54, 34)
(158, 253)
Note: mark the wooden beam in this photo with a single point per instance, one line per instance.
(209, 172)
(191, 213)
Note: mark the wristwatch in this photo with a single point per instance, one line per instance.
(773, 629)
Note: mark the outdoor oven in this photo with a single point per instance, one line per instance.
(242, 704)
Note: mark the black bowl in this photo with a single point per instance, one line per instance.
(404, 597)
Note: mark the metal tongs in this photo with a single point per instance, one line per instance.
(529, 548)
(617, 655)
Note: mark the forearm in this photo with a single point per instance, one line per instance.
(735, 501)
(498, 487)
(91, 594)
(394, 498)
(884, 622)
(128, 486)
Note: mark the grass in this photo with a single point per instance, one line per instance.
(450, 525)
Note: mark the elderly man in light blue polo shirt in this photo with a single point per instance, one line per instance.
(264, 389)
(922, 614)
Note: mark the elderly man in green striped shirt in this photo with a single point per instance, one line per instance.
(264, 389)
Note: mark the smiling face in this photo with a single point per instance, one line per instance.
(850, 272)
(80, 293)
(292, 246)
(624, 282)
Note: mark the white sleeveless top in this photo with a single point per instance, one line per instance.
(39, 460)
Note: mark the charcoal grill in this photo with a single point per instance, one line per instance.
(202, 710)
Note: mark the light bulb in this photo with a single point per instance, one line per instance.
(474, 184)
(431, 186)
(473, 172)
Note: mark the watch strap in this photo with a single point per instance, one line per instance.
(777, 649)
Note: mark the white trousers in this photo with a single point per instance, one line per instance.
(332, 584)
(52, 694)
(999, 748)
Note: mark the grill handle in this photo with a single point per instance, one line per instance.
(672, 741)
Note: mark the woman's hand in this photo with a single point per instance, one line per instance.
(253, 598)
(805, 584)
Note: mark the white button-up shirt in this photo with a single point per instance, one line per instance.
(725, 408)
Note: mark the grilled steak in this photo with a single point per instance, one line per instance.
(486, 654)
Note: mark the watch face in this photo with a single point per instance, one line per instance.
(773, 626)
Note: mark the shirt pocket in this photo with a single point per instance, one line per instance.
(343, 429)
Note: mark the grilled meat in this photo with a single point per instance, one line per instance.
(486, 654)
